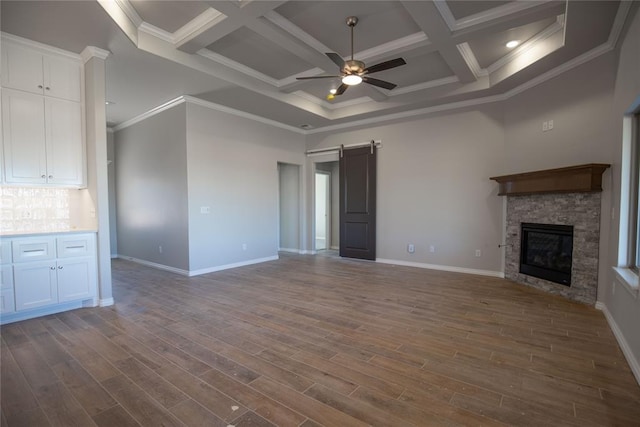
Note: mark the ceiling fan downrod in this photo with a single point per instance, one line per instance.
(351, 22)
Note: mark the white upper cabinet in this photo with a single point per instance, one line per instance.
(29, 70)
(42, 116)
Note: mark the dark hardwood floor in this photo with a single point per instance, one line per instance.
(317, 341)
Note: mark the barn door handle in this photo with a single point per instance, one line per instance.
(341, 150)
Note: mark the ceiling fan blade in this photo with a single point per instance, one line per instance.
(393, 63)
(318, 77)
(341, 89)
(337, 59)
(378, 82)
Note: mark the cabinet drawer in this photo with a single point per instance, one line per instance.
(33, 249)
(7, 301)
(76, 245)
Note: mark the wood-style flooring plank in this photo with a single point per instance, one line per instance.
(311, 341)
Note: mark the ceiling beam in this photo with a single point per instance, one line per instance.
(428, 18)
(237, 14)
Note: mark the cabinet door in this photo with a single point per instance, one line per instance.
(61, 78)
(64, 142)
(21, 68)
(7, 301)
(23, 137)
(35, 284)
(76, 279)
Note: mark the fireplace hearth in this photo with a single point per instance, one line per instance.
(546, 251)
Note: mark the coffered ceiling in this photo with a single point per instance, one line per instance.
(246, 55)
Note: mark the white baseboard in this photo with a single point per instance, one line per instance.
(191, 273)
(106, 302)
(114, 256)
(155, 265)
(307, 252)
(39, 312)
(291, 250)
(634, 362)
(335, 248)
(477, 272)
(234, 265)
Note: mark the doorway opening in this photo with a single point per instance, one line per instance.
(289, 208)
(323, 211)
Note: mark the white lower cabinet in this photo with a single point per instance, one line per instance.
(47, 271)
(35, 284)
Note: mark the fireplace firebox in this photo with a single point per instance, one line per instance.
(546, 252)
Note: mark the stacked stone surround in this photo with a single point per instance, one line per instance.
(582, 210)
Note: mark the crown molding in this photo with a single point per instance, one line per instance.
(156, 110)
(233, 111)
(154, 31)
(549, 31)
(471, 60)
(41, 47)
(90, 52)
(236, 66)
(200, 23)
(424, 86)
(297, 32)
(130, 11)
(389, 48)
(618, 23)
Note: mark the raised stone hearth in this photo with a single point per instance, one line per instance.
(566, 196)
(582, 210)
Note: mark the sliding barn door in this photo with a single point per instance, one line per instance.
(358, 203)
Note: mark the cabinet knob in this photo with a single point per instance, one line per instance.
(50, 176)
(47, 88)
(52, 268)
(43, 176)
(39, 86)
(60, 267)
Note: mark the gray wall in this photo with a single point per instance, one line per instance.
(289, 208)
(151, 189)
(233, 169)
(434, 188)
(623, 308)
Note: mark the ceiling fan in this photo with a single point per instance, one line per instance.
(354, 72)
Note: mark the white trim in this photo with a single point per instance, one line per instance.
(618, 23)
(90, 52)
(106, 302)
(41, 47)
(528, 45)
(156, 32)
(200, 23)
(424, 86)
(155, 265)
(160, 108)
(17, 316)
(628, 279)
(335, 248)
(307, 252)
(633, 361)
(233, 265)
(388, 49)
(471, 60)
(477, 272)
(236, 66)
(290, 250)
(224, 109)
(130, 11)
(295, 31)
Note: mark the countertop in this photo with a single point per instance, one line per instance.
(46, 233)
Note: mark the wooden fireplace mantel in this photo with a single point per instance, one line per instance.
(572, 179)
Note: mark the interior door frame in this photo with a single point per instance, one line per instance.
(327, 209)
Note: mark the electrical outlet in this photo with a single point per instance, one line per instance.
(160, 249)
(432, 248)
(205, 210)
(478, 253)
(550, 124)
(411, 248)
(545, 126)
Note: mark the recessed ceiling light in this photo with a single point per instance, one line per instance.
(513, 43)
(352, 79)
(109, 103)
(333, 91)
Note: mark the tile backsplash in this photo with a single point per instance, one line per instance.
(26, 209)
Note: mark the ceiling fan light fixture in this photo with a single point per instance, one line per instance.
(513, 43)
(352, 80)
(333, 91)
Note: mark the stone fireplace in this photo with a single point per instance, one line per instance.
(559, 198)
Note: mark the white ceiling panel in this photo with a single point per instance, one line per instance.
(463, 8)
